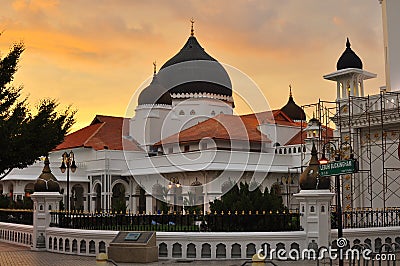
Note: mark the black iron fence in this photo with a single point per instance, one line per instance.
(17, 216)
(212, 222)
(368, 218)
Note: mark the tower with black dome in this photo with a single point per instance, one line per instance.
(349, 74)
(154, 105)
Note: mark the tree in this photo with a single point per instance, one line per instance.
(25, 136)
(240, 198)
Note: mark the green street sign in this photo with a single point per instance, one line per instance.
(337, 168)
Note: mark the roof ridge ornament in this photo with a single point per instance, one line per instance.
(348, 45)
(290, 90)
(192, 28)
(154, 67)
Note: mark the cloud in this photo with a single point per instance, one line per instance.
(99, 49)
(34, 5)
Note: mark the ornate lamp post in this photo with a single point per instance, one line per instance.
(68, 162)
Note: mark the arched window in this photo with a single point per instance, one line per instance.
(192, 112)
(213, 113)
(181, 112)
(118, 202)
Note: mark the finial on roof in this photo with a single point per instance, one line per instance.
(348, 43)
(155, 67)
(192, 29)
(290, 90)
(46, 168)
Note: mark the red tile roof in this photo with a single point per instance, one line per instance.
(273, 117)
(223, 127)
(105, 132)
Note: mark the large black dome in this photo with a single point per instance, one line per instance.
(349, 59)
(155, 93)
(192, 70)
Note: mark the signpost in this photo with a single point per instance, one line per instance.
(338, 168)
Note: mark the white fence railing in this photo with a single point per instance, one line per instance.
(19, 234)
(192, 245)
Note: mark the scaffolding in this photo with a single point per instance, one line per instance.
(372, 126)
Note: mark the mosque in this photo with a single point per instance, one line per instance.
(185, 146)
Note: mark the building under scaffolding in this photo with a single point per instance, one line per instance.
(371, 125)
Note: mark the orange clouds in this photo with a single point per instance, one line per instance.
(34, 5)
(95, 54)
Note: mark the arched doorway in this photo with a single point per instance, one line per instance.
(27, 202)
(77, 197)
(118, 202)
(97, 190)
(159, 194)
(195, 200)
(29, 189)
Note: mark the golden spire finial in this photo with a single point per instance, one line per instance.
(155, 67)
(192, 29)
(290, 90)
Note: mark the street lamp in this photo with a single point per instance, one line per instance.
(68, 162)
(325, 160)
(174, 182)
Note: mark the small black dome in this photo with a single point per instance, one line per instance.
(46, 182)
(349, 59)
(192, 70)
(155, 93)
(292, 110)
(309, 178)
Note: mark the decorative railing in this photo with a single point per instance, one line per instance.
(17, 216)
(210, 222)
(367, 218)
(19, 234)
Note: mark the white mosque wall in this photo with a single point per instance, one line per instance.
(278, 133)
(188, 112)
(147, 126)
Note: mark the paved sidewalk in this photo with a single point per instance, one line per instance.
(13, 255)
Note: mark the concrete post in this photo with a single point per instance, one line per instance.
(43, 204)
(315, 215)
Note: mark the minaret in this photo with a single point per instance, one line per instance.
(391, 43)
(350, 75)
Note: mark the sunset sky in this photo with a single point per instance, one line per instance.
(95, 54)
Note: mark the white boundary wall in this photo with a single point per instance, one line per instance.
(193, 245)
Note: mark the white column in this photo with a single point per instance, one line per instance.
(149, 204)
(315, 215)
(43, 204)
(337, 90)
(344, 89)
(362, 88)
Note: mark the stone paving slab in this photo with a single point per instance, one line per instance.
(13, 255)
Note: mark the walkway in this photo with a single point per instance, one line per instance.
(12, 255)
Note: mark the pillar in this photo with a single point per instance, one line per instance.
(43, 204)
(149, 204)
(315, 216)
